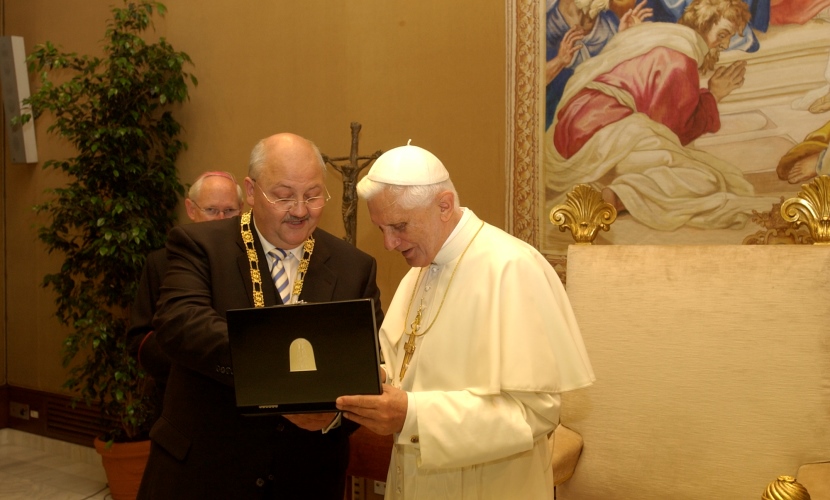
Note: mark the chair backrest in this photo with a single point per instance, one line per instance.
(712, 365)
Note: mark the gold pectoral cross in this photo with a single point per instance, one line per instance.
(409, 347)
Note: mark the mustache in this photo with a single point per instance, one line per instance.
(291, 218)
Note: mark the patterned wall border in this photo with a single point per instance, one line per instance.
(524, 112)
(523, 153)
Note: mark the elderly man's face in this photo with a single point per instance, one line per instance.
(719, 35)
(717, 39)
(296, 174)
(217, 199)
(417, 233)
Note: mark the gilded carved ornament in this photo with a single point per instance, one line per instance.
(775, 230)
(785, 488)
(811, 207)
(584, 213)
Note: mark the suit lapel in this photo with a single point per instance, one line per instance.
(320, 279)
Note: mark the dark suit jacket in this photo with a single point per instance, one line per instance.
(140, 338)
(201, 446)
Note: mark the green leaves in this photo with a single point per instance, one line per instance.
(119, 199)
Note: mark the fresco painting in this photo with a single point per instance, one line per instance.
(688, 115)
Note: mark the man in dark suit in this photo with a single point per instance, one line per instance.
(201, 446)
(213, 195)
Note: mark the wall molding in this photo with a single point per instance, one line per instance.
(49, 414)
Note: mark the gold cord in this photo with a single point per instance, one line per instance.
(253, 261)
(410, 343)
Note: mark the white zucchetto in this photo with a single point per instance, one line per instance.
(408, 166)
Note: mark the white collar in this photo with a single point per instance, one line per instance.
(458, 239)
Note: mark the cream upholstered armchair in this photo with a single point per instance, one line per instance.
(712, 364)
(567, 447)
(370, 454)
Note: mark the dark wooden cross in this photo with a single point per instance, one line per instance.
(350, 170)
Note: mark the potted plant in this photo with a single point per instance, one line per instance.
(117, 204)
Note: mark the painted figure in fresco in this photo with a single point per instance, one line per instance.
(822, 103)
(807, 159)
(576, 31)
(817, 100)
(796, 11)
(627, 115)
(671, 11)
(800, 12)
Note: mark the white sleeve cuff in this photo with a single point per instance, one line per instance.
(409, 431)
(334, 424)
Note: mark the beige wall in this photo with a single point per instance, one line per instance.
(429, 70)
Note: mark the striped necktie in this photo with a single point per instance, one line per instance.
(279, 275)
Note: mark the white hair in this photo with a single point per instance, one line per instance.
(196, 188)
(407, 197)
(591, 7)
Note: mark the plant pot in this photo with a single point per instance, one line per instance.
(124, 464)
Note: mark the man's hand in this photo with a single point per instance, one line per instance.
(568, 48)
(310, 421)
(726, 79)
(635, 16)
(384, 414)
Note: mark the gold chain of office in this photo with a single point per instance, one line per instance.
(253, 261)
(409, 347)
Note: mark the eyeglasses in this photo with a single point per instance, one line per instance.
(286, 204)
(213, 212)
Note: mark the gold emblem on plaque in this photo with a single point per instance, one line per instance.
(301, 356)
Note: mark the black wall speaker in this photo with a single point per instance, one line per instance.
(14, 80)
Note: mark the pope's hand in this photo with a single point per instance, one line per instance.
(384, 414)
(310, 421)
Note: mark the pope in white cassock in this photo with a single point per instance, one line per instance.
(479, 341)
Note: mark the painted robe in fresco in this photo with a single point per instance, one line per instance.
(664, 85)
(638, 148)
(605, 27)
(796, 11)
(670, 11)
